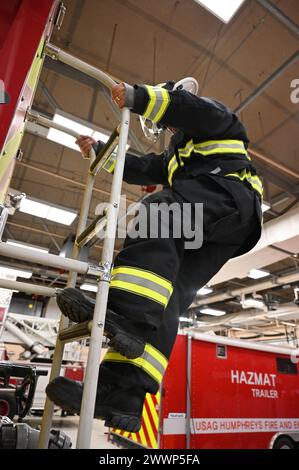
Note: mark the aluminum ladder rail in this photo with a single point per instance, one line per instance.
(104, 267)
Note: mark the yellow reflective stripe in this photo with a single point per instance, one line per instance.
(157, 355)
(172, 167)
(133, 436)
(151, 103)
(210, 147)
(152, 409)
(158, 102)
(219, 150)
(143, 274)
(139, 362)
(253, 180)
(139, 290)
(149, 428)
(208, 143)
(152, 361)
(164, 106)
(186, 151)
(109, 164)
(142, 436)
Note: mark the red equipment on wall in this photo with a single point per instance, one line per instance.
(221, 393)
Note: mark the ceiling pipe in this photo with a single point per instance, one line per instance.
(282, 17)
(276, 165)
(262, 87)
(269, 284)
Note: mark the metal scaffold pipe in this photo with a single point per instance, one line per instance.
(27, 288)
(25, 254)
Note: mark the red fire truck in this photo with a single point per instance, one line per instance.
(221, 393)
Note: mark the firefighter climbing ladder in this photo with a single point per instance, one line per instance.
(102, 271)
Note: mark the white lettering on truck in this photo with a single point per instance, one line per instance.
(256, 378)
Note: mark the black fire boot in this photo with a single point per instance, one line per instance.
(120, 408)
(79, 308)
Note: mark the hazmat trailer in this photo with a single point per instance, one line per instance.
(222, 393)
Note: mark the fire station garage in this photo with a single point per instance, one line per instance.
(149, 224)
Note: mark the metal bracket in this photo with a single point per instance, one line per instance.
(51, 50)
(60, 15)
(31, 115)
(101, 270)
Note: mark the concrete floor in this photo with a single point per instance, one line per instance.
(69, 425)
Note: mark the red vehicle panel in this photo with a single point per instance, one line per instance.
(239, 397)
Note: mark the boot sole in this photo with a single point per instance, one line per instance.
(112, 417)
(118, 420)
(72, 304)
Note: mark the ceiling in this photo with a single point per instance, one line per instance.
(150, 42)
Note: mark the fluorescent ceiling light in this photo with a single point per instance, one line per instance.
(204, 291)
(250, 302)
(82, 129)
(265, 206)
(89, 287)
(4, 272)
(68, 140)
(27, 245)
(186, 319)
(257, 273)
(212, 311)
(223, 9)
(47, 211)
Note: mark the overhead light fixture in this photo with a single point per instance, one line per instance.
(27, 245)
(70, 122)
(186, 319)
(212, 311)
(250, 302)
(224, 10)
(77, 125)
(5, 273)
(204, 291)
(89, 287)
(66, 139)
(47, 211)
(258, 273)
(265, 206)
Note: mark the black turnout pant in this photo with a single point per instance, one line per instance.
(156, 279)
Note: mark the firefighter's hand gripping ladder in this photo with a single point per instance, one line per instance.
(95, 328)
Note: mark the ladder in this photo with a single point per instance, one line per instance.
(94, 329)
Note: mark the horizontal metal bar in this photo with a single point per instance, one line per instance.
(105, 152)
(89, 232)
(45, 259)
(27, 288)
(58, 54)
(74, 332)
(34, 116)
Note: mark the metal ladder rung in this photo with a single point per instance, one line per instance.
(74, 332)
(91, 231)
(105, 153)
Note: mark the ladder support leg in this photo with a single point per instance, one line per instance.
(92, 371)
(59, 348)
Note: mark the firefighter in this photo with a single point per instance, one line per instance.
(155, 279)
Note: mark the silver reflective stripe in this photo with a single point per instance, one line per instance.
(140, 281)
(153, 361)
(161, 101)
(185, 152)
(217, 146)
